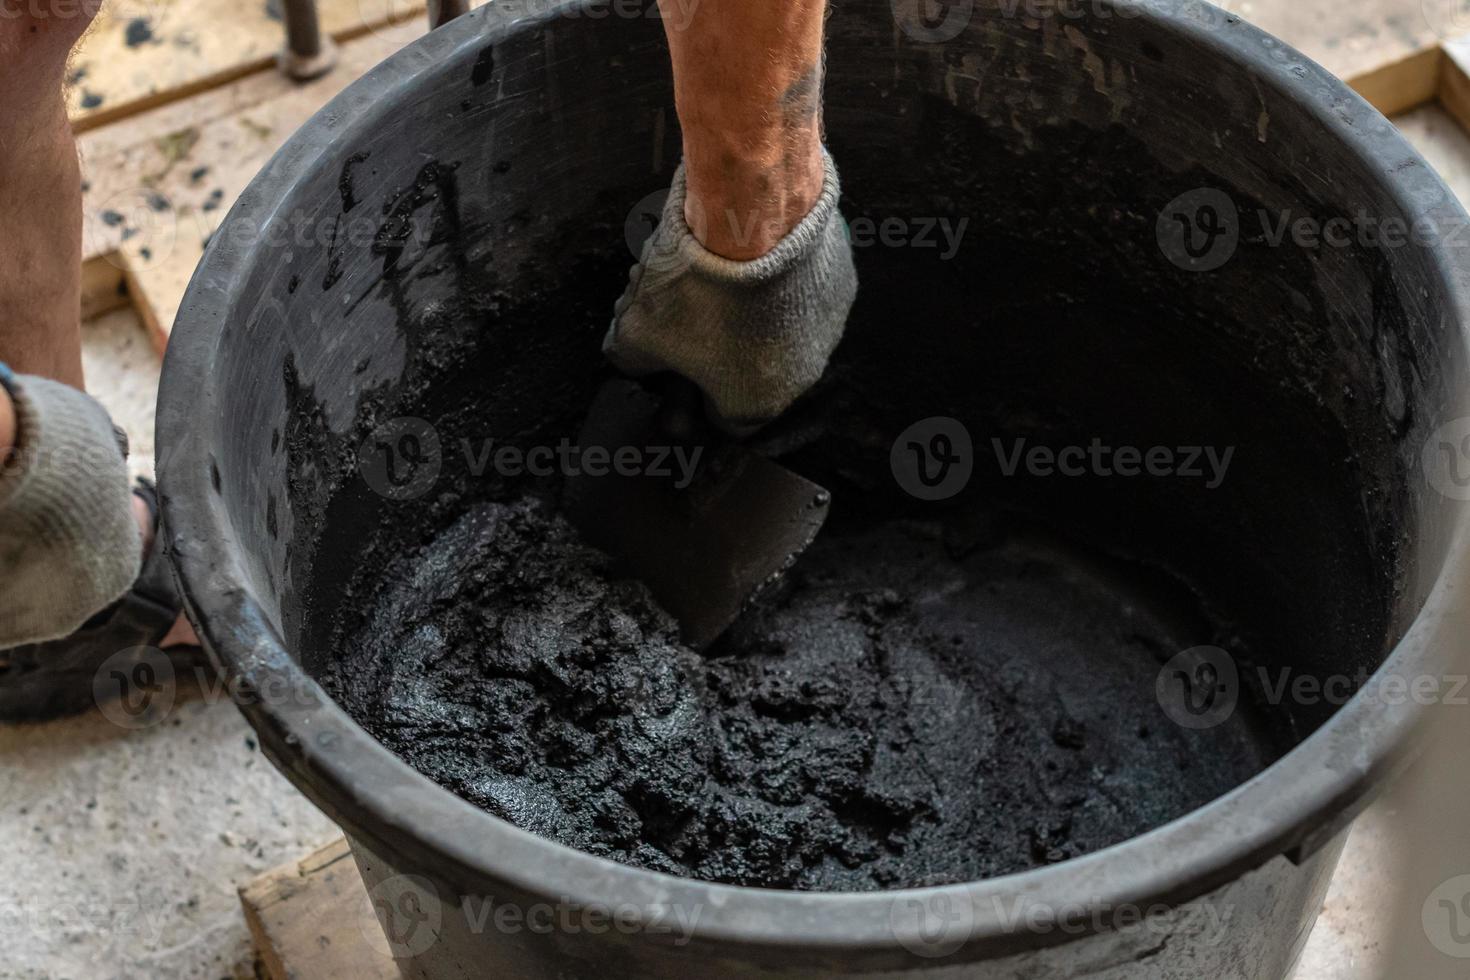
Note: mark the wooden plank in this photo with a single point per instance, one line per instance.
(1454, 82)
(142, 53)
(1388, 50)
(158, 185)
(160, 182)
(1406, 84)
(1444, 143)
(1354, 39)
(104, 288)
(311, 919)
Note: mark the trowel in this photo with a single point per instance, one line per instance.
(705, 522)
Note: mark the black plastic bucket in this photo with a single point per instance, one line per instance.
(1132, 177)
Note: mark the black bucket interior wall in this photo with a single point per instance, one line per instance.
(475, 242)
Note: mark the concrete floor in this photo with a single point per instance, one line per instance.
(127, 846)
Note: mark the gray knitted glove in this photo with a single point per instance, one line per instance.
(69, 544)
(752, 335)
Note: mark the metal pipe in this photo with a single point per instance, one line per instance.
(303, 28)
(309, 53)
(442, 12)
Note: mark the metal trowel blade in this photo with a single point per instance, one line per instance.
(707, 530)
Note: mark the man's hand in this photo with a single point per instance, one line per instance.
(745, 286)
(754, 335)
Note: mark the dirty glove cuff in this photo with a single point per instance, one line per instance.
(69, 544)
(752, 335)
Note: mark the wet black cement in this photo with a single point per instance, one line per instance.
(919, 704)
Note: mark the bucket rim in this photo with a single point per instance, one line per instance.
(1291, 808)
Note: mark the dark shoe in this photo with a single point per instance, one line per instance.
(42, 681)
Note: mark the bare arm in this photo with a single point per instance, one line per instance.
(40, 194)
(748, 88)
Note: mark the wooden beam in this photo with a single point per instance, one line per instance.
(104, 287)
(1454, 81)
(141, 54)
(158, 185)
(1405, 84)
(311, 919)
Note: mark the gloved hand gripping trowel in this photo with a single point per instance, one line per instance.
(705, 547)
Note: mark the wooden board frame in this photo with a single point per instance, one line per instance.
(1433, 73)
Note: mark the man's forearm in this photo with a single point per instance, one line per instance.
(40, 193)
(40, 238)
(748, 86)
